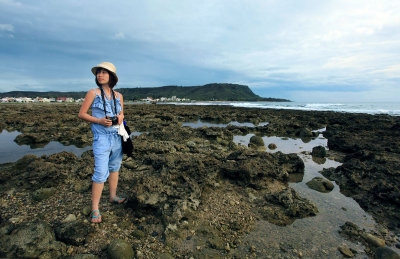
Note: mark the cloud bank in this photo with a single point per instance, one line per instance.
(304, 51)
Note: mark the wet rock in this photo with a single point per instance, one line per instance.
(346, 251)
(254, 168)
(319, 160)
(120, 249)
(284, 207)
(351, 231)
(43, 193)
(320, 184)
(373, 240)
(257, 141)
(318, 151)
(32, 240)
(372, 179)
(73, 233)
(272, 146)
(386, 253)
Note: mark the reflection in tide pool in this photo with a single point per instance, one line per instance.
(11, 151)
(200, 124)
(285, 145)
(314, 237)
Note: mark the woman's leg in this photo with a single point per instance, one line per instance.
(113, 182)
(97, 189)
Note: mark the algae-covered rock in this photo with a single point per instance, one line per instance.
(284, 207)
(31, 240)
(320, 184)
(257, 141)
(318, 151)
(120, 249)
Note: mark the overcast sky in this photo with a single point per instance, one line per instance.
(333, 51)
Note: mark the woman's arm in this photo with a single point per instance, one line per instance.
(85, 107)
(121, 113)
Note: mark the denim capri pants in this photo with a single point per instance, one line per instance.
(107, 151)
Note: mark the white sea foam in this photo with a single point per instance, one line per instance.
(390, 108)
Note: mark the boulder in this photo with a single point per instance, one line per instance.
(120, 249)
(272, 146)
(320, 184)
(31, 240)
(284, 207)
(318, 151)
(257, 141)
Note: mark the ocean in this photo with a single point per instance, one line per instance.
(390, 108)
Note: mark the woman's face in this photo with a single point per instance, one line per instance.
(102, 76)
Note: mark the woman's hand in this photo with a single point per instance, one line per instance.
(105, 122)
(120, 118)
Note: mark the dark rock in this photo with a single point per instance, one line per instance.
(386, 253)
(257, 141)
(73, 233)
(255, 168)
(120, 249)
(351, 232)
(272, 146)
(32, 240)
(320, 184)
(304, 133)
(284, 207)
(318, 151)
(373, 181)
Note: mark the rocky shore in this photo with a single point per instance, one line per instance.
(192, 192)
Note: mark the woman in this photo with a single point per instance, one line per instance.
(107, 115)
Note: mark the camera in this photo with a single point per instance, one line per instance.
(114, 120)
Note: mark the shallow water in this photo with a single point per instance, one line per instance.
(200, 124)
(11, 151)
(314, 237)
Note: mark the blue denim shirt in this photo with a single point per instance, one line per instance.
(98, 112)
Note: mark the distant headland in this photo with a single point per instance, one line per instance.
(208, 92)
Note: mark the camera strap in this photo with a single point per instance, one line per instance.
(104, 102)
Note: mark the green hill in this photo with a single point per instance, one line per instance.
(209, 92)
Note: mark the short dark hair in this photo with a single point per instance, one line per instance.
(112, 81)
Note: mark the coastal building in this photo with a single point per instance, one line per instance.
(65, 99)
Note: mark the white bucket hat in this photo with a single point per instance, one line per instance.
(106, 65)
